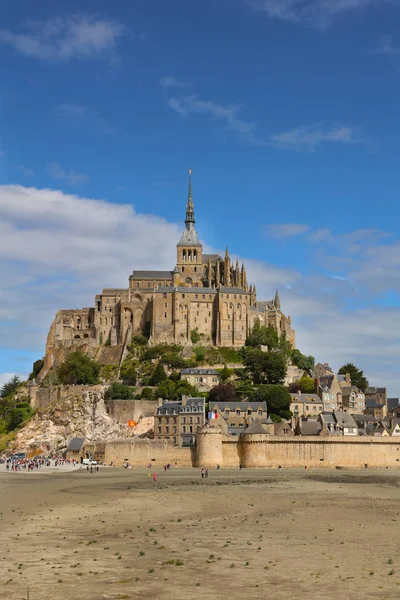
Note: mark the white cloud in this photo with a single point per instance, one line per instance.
(25, 171)
(307, 138)
(227, 114)
(69, 177)
(58, 250)
(285, 230)
(82, 114)
(170, 82)
(6, 377)
(387, 47)
(316, 13)
(310, 137)
(64, 38)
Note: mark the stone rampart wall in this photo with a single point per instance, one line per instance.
(48, 395)
(123, 411)
(141, 452)
(256, 451)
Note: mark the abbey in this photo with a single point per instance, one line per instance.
(205, 293)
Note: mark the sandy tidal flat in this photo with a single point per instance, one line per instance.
(245, 535)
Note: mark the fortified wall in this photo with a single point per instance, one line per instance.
(43, 397)
(141, 452)
(259, 450)
(123, 411)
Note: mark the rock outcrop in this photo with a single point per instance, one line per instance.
(75, 414)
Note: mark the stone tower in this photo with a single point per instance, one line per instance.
(189, 261)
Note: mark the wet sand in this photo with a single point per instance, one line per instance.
(244, 535)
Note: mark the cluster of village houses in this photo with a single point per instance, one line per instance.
(336, 408)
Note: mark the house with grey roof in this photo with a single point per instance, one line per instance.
(202, 378)
(338, 423)
(306, 405)
(178, 421)
(75, 449)
(238, 415)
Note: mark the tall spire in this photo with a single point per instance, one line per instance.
(190, 206)
(277, 300)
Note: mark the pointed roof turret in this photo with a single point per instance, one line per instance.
(190, 206)
(189, 236)
(277, 300)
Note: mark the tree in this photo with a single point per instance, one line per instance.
(277, 398)
(147, 393)
(303, 362)
(128, 372)
(158, 376)
(307, 385)
(357, 376)
(268, 336)
(119, 391)
(225, 374)
(223, 392)
(195, 336)
(165, 390)
(265, 367)
(79, 368)
(9, 388)
(36, 368)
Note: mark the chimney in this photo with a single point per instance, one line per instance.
(348, 378)
(316, 384)
(184, 400)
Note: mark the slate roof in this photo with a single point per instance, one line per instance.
(196, 371)
(176, 408)
(235, 405)
(306, 398)
(255, 428)
(345, 419)
(393, 403)
(373, 403)
(212, 257)
(76, 444)
(185, 290)
(151, 275)
(233, 290)
(365, 419)
(310, 428)
(189, 238)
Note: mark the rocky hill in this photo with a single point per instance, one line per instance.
(74, 414)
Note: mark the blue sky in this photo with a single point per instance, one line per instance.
(286, 110)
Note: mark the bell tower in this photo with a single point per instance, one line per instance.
(189, 262)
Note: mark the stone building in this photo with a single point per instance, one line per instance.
(178, 421)
(238, 415)
(204, 293)
(306, 405)
(203, 379)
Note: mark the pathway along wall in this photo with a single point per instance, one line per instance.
(260, 451)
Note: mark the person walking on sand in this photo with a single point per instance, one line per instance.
(154, 476)
(206, 474)
(202, 473)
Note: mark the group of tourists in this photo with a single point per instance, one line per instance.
(30, 464)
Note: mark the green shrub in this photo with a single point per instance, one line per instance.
(118, 391)
(147, 393)
(36, 368)
(195, 336)
(158, 375)
(79, 368)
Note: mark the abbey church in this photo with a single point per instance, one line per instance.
(204, 293)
